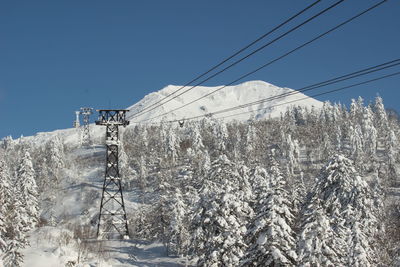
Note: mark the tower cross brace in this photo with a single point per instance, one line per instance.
(86, 112)
(112, 222)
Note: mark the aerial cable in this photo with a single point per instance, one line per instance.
(312, 87)
(148, 109)
(296, 100)
(307, 88)
(319, 94)
(274, 60)
(232, 56)
(296, 92)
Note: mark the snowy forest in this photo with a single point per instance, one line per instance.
(314, 187)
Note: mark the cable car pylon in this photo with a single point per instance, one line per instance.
(113, 223)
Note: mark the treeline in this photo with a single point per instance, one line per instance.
(314, 187)
(309, 188)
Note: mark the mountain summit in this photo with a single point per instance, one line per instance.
(228, 97)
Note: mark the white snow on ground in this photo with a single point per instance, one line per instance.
(137, 253)
(55, 246)
(47, 251)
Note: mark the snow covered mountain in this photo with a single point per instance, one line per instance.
(228, 97)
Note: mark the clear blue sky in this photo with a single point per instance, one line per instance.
(56, 56)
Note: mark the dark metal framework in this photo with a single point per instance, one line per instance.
(112, 223)
(86, 112)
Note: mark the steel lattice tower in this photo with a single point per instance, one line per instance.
(86, 112)
(112, 218)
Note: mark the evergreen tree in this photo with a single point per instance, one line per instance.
(28, 189)
(195, 136)
(326, 148)
(251, 143)
(356, 143)
(237, 145)
(260, 184)
(56, 157)
(142, 173)
(380, 117)
(17, 226)
(221, 216)
(172, 144)
(178, 233)
(346, 199)
(315, 244)
(126, 171)
(369, 132)
(221, 136)
(292, 151)
(5, 198)
(270, 237)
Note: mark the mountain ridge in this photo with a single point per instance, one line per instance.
(227, 97)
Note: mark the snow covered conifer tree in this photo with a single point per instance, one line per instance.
(270, 236)
(346, 199)
(251, 142)
(197, 140)
(327, 148)
(17, 228)
(359, 251)
(5, 198)
(260, 183)
(126, 171)
(221, 137)
(370, 133)
(172, 143)
(177, 233)
(315, 244)
(237, 145)
(327, 113)
(356, 110)
(18, 223)
(55, 160)
(28, 189)
(381, 119)
(292, 151)
(199, 157)
(356, 143)
(143, 138)
(220, 217)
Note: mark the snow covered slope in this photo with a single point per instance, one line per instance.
(228, 97)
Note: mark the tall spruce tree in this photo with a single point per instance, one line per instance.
(5, 200)
(220, 217)
(315, 243)
(270, 236)
(55, 161)
(348, 203)
(28, 189)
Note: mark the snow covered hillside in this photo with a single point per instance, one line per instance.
(228, 97)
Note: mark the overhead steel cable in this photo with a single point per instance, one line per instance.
(312, 87)
(327, 82)
(241, 59)
(349, 76)
(319, 94)
(232, 56)
(297, 91)
(273, 61)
